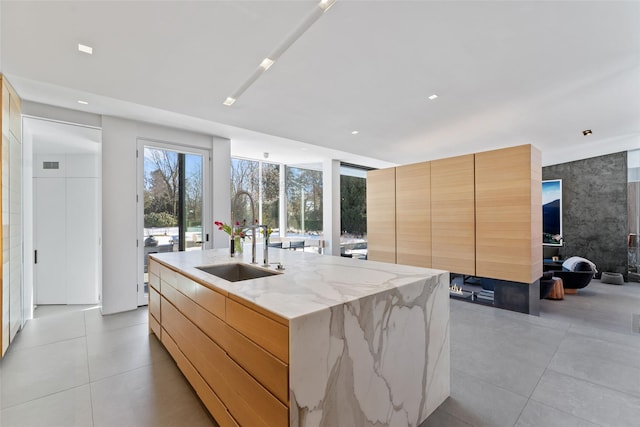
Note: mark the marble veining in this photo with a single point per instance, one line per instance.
(382, 360)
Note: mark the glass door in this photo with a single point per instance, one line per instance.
(170, 204)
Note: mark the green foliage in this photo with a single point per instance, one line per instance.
(160, 219)
(353, 205)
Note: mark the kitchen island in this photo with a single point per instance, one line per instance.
(329, 341)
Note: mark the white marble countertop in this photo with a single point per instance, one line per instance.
(309, 283)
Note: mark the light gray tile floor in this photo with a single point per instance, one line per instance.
(578, 364)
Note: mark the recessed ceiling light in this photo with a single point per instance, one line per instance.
(229, 101)
(326, 4)
(587, 132)
(432, 97)
(83, 102)
(355, 132)
(85, 49)
(266, 63)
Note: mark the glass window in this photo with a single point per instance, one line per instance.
(304, 202)
(245, 176)
(262, 181)
(353, 212)
(270, 200)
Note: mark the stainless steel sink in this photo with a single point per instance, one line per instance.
(236, 272)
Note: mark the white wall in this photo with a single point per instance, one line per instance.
(331, 206)
(221, 187)
(119, 208)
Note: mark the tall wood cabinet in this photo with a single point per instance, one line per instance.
(478, 214)
(381, 215)
(453, 215)
(413, 222)
(11, 241)
(509, 214)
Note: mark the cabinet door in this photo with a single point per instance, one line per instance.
(509, 214)
(50, 237)
(453, 214)
(82, 240)
(381, 215)
(413, 214)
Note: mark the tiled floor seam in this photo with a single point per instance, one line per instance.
(564, 336)
(43, 396)
(563, 411)
(16, 350)
(604, 338)
(84, 319)
(635, 396)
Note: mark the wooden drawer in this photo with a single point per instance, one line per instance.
(154, 281)
(168, 276)
(248, 401)
(267, 333)
(213, 301)
(208, 397)
(186, 286)
(154, 304)
(264, 367)
(154, 326)
(154, 267)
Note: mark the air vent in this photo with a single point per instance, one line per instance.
(50, 165)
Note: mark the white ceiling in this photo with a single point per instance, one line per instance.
(506, 72)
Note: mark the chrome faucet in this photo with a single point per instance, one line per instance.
(254, 227)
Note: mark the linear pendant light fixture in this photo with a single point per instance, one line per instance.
(267, 62)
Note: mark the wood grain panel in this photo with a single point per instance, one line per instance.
(186, 286)
(154, 326)
(154, 304)
(509, 214)
(248, 401)
(266, 368)
(453, 215)
(169, 276)
(266, 313)
(381, 215)
(154, 267)
(154, 281)
(204, 392)
(267, 333)
(413, 214)
(211, 300)
(15, 117)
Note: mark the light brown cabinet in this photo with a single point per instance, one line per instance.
(483, 217)
(381, 215)
(235, 357)
(413, 214)
(11, 230)
(453, 214)
(509, 214)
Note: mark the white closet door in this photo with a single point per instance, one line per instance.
(50, 238)
(82, 241)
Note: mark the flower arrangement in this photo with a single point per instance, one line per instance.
(239, 230)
